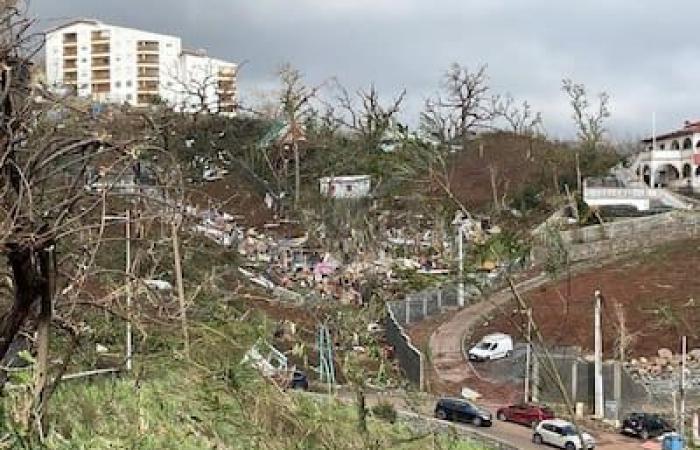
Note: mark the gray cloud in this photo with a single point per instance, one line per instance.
(643, 52)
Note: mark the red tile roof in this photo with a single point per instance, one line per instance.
(688, 129)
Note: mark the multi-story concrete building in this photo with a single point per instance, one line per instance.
(114, 64)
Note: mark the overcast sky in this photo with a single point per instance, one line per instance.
(644, 53)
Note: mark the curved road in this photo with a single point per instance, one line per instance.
(451, 367)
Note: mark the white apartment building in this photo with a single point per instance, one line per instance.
(112, 64)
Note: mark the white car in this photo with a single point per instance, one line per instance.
(492, 346)
(562, 434)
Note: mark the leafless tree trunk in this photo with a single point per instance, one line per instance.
(180, 286)
(493, 172)
(371, 120)
(462, 108)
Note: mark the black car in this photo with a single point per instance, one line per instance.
(299, 381)
(462, 411)
(645, 425)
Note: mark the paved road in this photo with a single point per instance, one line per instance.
(516, 435)
(451, 367)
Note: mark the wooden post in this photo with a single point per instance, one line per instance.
(408, 310)
(578, 173)
(535, 380)
(180, 287)
(494, 188)
(528, 356)
(574, 381)
(128, 292)
(297, 182)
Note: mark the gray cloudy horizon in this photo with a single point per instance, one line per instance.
(643, 53)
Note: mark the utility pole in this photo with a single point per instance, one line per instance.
(598, 357)
(127, 270)
(460, 251)
(528, 355)
(681, 425)
(297, 182)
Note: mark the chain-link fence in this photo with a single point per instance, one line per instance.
(413, 309)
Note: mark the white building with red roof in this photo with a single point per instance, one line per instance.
(672, 159)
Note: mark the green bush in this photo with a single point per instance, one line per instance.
(385, 411)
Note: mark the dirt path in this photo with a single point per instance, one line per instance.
(446, 341)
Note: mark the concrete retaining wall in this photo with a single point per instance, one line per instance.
(411, 360)
(422, 424)
(616, 238)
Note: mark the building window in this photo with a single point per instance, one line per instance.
(117, 84)
(687, 143)
(129, 96)
(662, 146)
(348, 188)
(128, 83)
(675, 145)
(83, 60)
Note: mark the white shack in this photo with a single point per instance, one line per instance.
(355, 186)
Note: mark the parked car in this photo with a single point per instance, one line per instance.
(492, 346)
(562, 434)
(299, 381)
(645, 425)
(525, 414)
(459, 410)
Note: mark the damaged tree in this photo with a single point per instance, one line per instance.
(590, 124)
(462, 108)
(50, 148)
(371, 119)
(295, 99)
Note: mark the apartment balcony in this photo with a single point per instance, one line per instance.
(70, 39)
(100, 75)
(148, 73)
(71, 77)
(99, 37)
(100, 49)
(100, 88)
(70, 65)
(226, 89)
(100, 63)
(148, 87)
(146, 99)
(70, 51)
(146, 47)
(147, 60)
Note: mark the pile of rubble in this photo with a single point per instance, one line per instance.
(665, 366)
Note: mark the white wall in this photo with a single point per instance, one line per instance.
(345, 187)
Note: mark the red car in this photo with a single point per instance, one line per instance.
(525, 414)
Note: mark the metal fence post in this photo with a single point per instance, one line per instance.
(408, 310)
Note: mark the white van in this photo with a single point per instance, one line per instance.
(492, 346)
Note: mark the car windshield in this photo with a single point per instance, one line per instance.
(486, 346)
